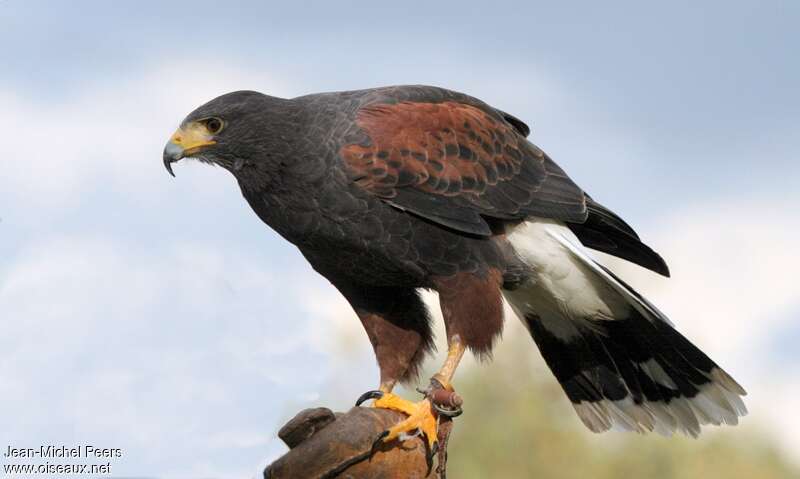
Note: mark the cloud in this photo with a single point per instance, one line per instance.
(163, 353)
(109, 133)
(733, 264)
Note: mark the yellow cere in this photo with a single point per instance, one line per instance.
(192, 138)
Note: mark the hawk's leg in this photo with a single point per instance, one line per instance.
(397, 323)
(472, 308)
(423, 416)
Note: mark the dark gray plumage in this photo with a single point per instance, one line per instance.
(389, 190)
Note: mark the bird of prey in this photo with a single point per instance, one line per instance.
(390, 190)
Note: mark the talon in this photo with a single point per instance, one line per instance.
(375, 394)
(421, 420)
(378, 442)
(431, 454)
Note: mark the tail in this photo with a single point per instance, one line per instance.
(617, 357)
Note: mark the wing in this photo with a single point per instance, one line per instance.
(461, 164)
(605, 231)
(458, 165)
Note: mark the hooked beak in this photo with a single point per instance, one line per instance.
(172, 153)
(185, 142)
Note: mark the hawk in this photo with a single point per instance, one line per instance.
(390, 190)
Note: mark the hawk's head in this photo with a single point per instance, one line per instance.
(228, 131)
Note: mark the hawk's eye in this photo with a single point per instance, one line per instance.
(213, 125)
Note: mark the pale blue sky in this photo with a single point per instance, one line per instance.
(152, 312)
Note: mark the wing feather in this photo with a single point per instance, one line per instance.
(460, 163)
(457, 163)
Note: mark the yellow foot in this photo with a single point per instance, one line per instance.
(421, 419)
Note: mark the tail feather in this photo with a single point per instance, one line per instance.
(632, 297)
(616, 356)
